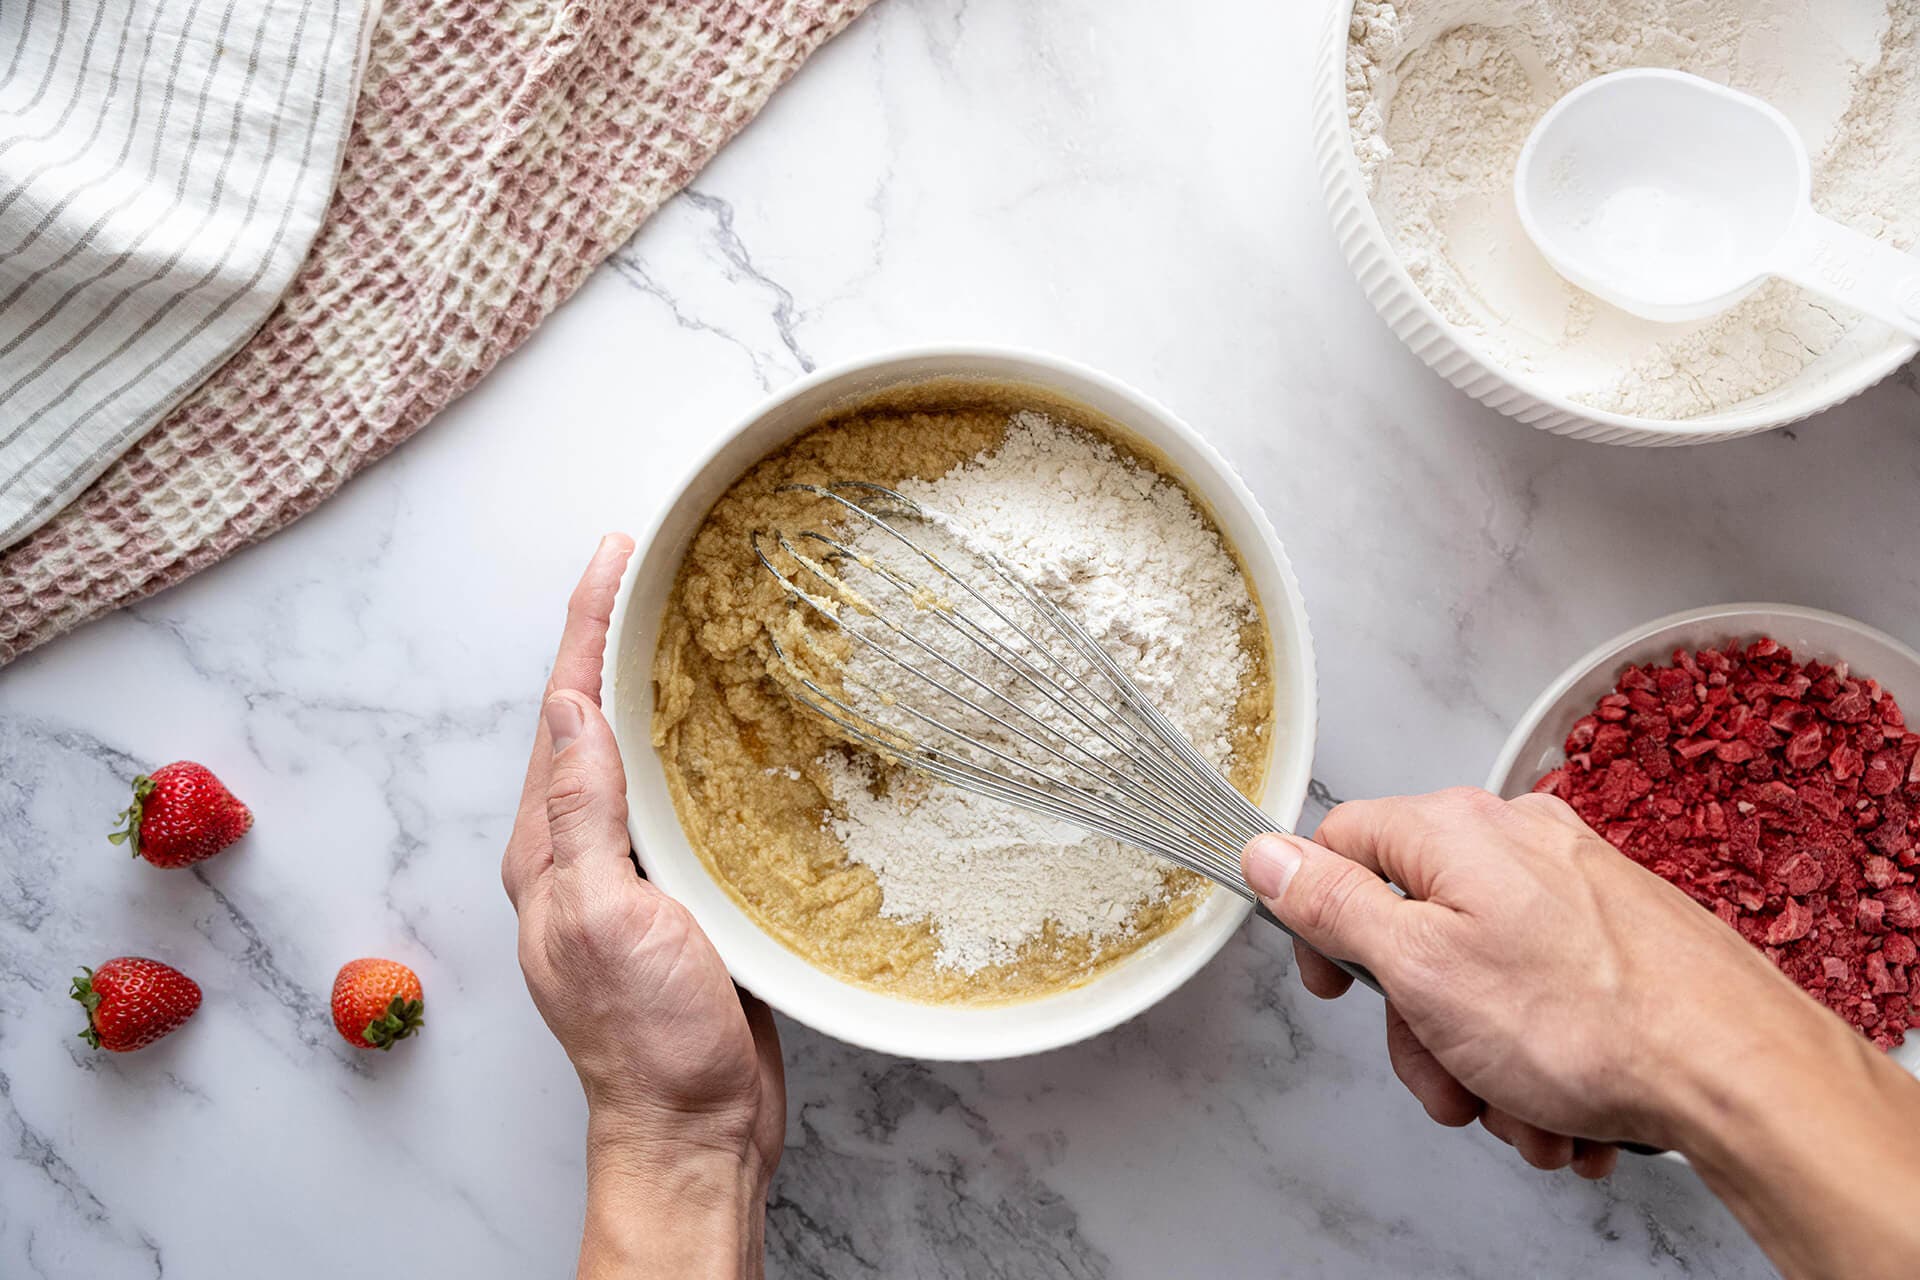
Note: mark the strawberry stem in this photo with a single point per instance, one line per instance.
(129, 833)
(90, 1000)
(403, 1018)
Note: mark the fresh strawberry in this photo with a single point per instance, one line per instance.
(131, 1002)
(376, 1002)
(180, 815)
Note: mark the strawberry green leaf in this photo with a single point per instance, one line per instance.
(89, 1000)
(403, 1018)
(129, 831)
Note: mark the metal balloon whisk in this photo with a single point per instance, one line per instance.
(940, 655)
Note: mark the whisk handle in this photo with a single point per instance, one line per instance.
(1358, 973)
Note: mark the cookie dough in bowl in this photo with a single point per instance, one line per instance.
(1423, 108)
(857, 897)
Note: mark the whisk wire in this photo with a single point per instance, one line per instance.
(946, 767)
(1163, 824)
(1163, 730)
(1161, 781)
(1085, 644)
(1133, 777)
(1240, 820)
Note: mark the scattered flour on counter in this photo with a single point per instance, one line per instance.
(1123, 550)
(1441, 94)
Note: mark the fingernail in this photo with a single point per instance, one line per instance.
(563, 722)
(1269, 863)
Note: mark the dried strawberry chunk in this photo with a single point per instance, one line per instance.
(1793, 922)
(1882, 775)
(1903, 905)
(1807, 748)
(1800, 874)
(1850, 706)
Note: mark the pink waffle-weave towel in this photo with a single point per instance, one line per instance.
(500, 149)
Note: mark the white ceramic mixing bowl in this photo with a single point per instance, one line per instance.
(1866, 356)
(757, 961)
(1535, 745)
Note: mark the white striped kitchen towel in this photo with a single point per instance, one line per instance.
(164, 165)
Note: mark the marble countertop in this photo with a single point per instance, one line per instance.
(1121, 181)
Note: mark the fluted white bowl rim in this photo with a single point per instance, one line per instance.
(1533, 401)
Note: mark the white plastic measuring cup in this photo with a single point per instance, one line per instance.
(1672, 197)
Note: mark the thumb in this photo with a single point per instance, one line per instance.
(587, 788)
(1334, 905)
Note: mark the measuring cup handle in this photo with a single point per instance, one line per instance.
(1838, 262)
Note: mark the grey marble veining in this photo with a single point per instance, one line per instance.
(1122, 181)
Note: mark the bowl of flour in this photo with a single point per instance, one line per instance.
(1423, 108)
(876, 907)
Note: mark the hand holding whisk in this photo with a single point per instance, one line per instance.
(972, 675)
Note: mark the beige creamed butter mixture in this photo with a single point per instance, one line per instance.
(742, 759)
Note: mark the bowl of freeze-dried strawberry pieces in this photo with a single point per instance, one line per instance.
(1759, 757)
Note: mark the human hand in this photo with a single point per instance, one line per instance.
(685, 1093)
(1537, 980)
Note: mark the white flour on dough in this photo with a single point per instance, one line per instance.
(1122, 549)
